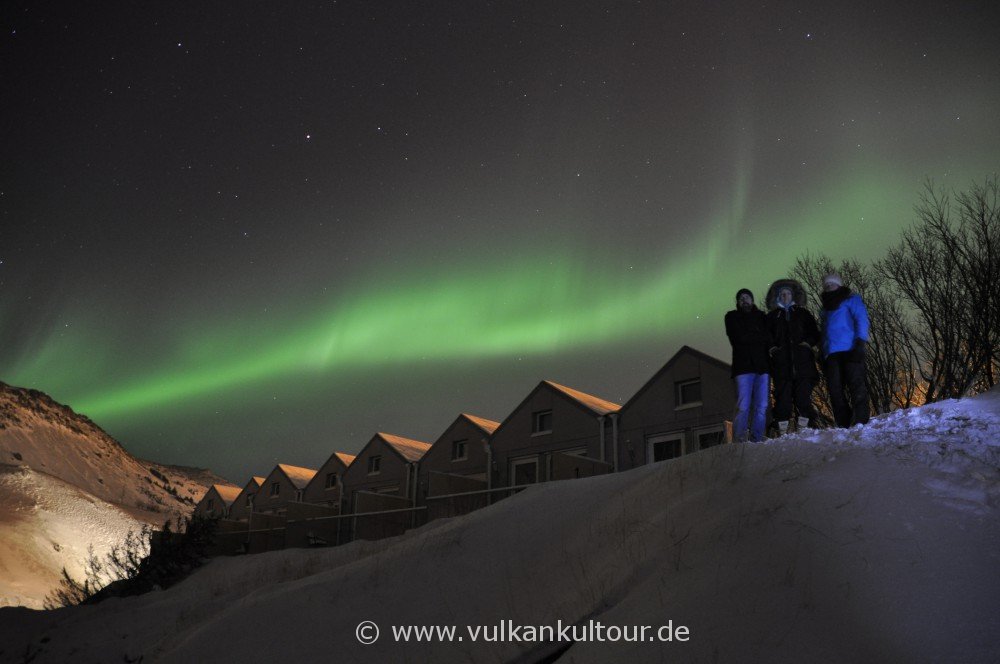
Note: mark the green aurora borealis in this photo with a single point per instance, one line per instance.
(236, 242)
(540, 305)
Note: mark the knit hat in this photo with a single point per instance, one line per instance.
(833, 278)
(741, 291)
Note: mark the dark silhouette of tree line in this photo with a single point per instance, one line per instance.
(145, 560)
(933, 301)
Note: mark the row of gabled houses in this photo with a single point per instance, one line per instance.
(556, 432)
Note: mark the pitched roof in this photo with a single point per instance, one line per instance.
(298, 475)
(411, 450)
(345, 458)
(596, 404)
(227, 492)
(684, 350)
(258, 480)
(489, 426)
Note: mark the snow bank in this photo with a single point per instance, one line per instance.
(872, 544)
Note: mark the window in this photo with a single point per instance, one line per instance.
(664, 446)
(249, 502)
(275, 488)
(459, 450)
(211, 503)
(524, 471)
(375, 464)
(711, 438)
(688, 393)
(331, 480)
(542, 422)
(298, 496)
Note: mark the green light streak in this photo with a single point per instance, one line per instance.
(542, 304)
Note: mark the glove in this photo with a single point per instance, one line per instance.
(859, 351)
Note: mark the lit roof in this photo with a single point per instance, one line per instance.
(412, 450)
(298, 475)
(489, 426)
(227, 492)
(596, 404)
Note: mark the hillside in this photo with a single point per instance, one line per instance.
(49, 437)
(66, 484)
(870, 544)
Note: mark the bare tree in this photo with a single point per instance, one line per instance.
(946, 270)
(891, 364)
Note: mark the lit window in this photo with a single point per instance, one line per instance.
(459, 450)
(374, 464)
(542, 422)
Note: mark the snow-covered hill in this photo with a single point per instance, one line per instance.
(65, 484)
(876, 544)
(47, 525)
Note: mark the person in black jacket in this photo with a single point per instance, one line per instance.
(747, 332)
(794, 335)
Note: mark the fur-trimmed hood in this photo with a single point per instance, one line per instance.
(798, 293)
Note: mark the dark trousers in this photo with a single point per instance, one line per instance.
(798, 391)
(843, 376)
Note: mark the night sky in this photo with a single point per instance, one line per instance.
(238, 233)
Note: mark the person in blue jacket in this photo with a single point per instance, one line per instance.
(845, 344)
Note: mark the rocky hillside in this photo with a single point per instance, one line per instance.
(48, 437)
(65, 486)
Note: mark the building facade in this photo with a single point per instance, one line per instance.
(685, 407)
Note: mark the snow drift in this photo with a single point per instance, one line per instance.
(869, 544)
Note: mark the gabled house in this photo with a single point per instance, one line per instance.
(459, 459)
(386, 465)
(217, 501)
(556, 432)
(243, 504)
(285, 484)
(683, 408)
(327, 486)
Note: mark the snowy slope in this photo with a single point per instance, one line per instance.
(873, 544)
(64, 484)
(47, 525)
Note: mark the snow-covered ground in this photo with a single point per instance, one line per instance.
(64, 484)
(48, 525)
(876, 544)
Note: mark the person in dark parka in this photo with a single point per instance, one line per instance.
(845, 347)
(794, 334)
(747, 332)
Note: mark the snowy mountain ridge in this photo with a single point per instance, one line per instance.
(878, 543)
